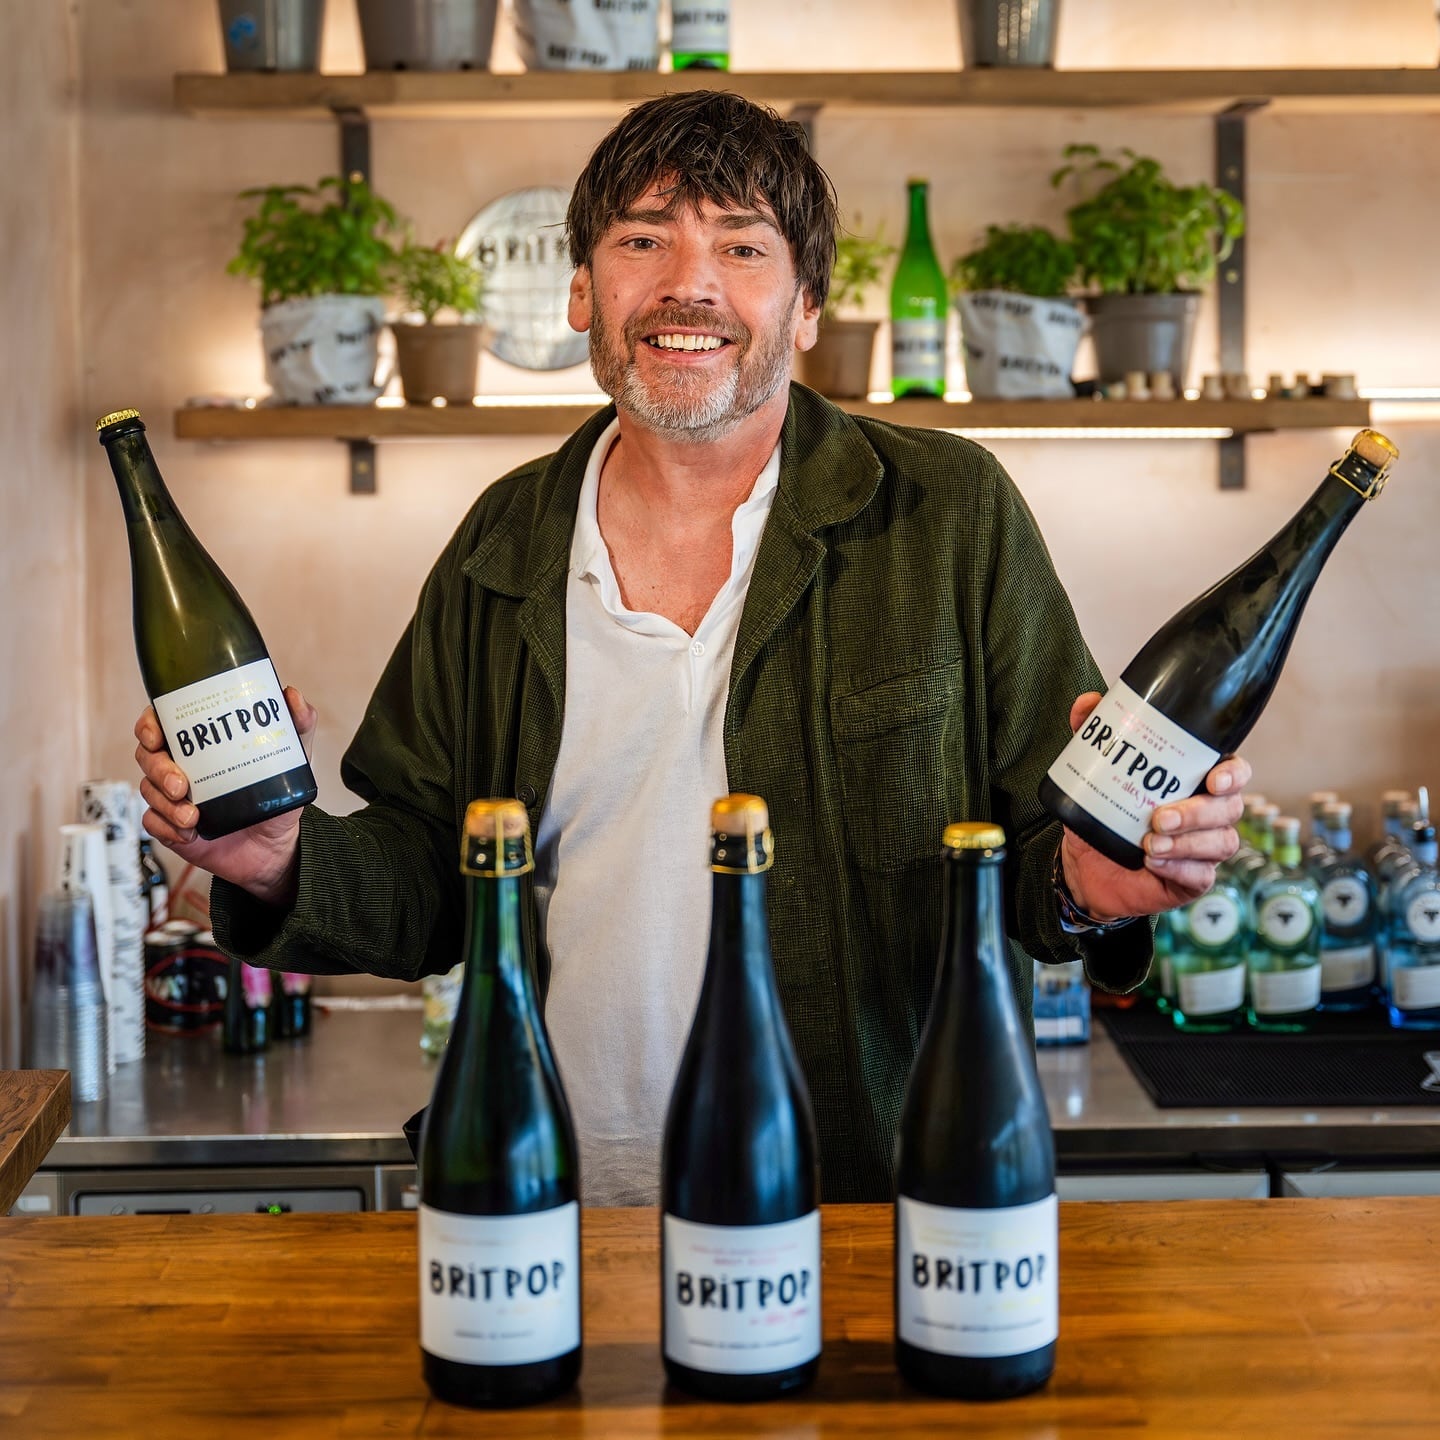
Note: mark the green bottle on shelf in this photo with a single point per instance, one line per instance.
(700, 35)
(919, 305)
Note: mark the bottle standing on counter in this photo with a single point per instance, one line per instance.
(1285, 939)
(1062, 1004)
(1212, 935)
(440, 996)
(1414, 947)
(700, 34)
(976, 1259)
(1392, 827)
(202, 660)
(249, 993)
(740, 1181)
(292, 1005)
(498, 1162)
(1348, 913)
(1317, 847)
(154, 886)
(919, 307)
(1201, 682)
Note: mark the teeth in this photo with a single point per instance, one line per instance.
(686, 342)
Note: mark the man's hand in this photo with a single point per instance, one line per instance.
(1186, 841)
(263, 859)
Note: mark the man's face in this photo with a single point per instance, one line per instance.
(693, 318)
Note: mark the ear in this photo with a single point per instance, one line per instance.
(807, 320)
(582, 299)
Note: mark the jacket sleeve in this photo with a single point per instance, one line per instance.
(379, 889)
(1037, 664)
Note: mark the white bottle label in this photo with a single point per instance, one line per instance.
(1347, 968)
(1415, 987)
(1213, 920)
(1345, 901)
(1126, 760)
(979, 1283)
(500, 1289)
(230, 731)
(1212, 992)
(1285, 992)
(1422, 915)
(917, 349)
(700, 29)
(742, 1299)
(1285, 921)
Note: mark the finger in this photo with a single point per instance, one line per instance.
(305, 715)
(175, 836)
(178, 815)
(1194, 877)
(1199, 812)
(147, 730)
(1082, 707)
(1211, 845)
(162, 772)
(1230, 776)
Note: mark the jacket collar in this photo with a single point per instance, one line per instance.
(828, 473)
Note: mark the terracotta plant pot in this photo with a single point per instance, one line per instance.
(839, 363)
(438, 362)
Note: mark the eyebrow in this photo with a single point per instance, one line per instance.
(727, 219)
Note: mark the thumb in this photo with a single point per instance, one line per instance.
(1080, 710)
(304, 714)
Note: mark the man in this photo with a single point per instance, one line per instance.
(727, 585)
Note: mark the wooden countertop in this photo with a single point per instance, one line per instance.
(34, 1109)
(1234, 1318)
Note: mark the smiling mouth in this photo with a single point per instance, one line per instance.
(668, 341)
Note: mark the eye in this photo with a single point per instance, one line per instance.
(746, 252)
(639, 242)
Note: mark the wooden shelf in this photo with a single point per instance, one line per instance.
(479, 92)
(385, 422)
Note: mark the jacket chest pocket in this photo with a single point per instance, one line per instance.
(900, 748)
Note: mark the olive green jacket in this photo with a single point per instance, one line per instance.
(906, 657)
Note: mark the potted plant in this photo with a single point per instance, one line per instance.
(1147, 246)
(323, 256)
(272, 34)
(427, 34)
(438, 360)
(1019, 330)
(838, 364)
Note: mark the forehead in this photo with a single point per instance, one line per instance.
(663, 201)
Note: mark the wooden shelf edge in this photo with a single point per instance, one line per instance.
(419, 93)
(370, 422)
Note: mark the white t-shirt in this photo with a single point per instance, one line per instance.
(620, 851)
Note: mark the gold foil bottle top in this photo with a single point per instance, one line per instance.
(115, 417)
(1369, 452)
(973, 835)
(497, 839)
(740, 838)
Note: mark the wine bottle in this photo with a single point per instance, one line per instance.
(202, 660)
(499, 1169)
(740, 1184)
(700, 35)
(976, 1218)
(1201, 682)
(919, 307)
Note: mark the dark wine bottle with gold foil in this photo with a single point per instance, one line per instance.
(498, 1164)
(740, 1180)
(203, 663)
(1196, 689)
(976, 1217)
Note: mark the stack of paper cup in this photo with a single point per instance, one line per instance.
(110, 803)
(67, 1005)
(84, 867)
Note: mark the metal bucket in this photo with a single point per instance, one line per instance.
(427, 34)
(1008, 32)
(272, 34)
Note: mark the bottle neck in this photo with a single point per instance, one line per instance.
(495, 942)
(1301, 549)
(1340, 842)
(1287, 857)
(917, 235)
(975, 964)
(739, 973)
(142, 490)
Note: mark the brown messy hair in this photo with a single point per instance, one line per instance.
(711, 145)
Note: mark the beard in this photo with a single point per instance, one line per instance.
(695, 406)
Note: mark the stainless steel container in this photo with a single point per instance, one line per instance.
(427, 34)
(272, 34)
(1008, 32)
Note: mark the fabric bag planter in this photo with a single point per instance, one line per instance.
(272, 34)
(1008, 32)
(1018, 347)
(1142, 332)
(438, 362)
(838, 364)
(588, 34)
(323, 349)
(427, 34)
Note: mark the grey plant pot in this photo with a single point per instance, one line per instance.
(427, 34)
(838, 365)
(272, 34)
(1008, 32)
(1142, 332)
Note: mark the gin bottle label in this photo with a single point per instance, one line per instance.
(917, 349)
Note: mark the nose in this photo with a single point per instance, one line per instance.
(688, 276)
